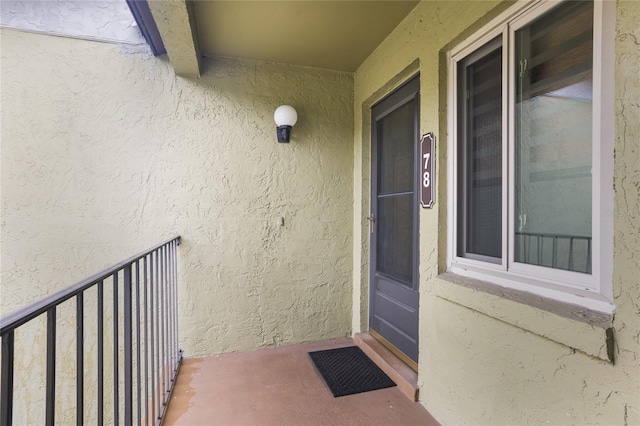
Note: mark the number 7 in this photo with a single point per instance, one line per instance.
(426, 159)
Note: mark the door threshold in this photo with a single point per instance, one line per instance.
(397, 352)
(402, 374)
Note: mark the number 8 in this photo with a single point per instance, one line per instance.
(426, 182)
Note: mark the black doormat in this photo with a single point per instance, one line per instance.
(348, 370)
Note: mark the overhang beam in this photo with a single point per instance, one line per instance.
(176, 23)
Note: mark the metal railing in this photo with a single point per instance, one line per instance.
(150, 339)
(569, 252)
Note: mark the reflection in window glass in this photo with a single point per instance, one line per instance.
(553, 146)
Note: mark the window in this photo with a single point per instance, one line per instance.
(531, 164)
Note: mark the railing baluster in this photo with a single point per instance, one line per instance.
(139, 326)
(554, 251)
(80, 359)
(160, 330)
(169, 319)
(51, 367)
(158, 323)
(146, 343)
(153, 358)
(174, 303)
(100, 353)
(167, 295)
(163, 287)
(163, 302)
(156, 335)
(128, 348)
(177, 312)
(6, 386)
(116, 380)
(571, 239)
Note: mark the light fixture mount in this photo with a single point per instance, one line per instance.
(284, 133)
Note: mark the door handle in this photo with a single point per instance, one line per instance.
(371, 220)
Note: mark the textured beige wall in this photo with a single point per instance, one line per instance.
(105, 153)
(484, 359)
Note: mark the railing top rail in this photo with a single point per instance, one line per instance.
(17, 318)
(541, 234)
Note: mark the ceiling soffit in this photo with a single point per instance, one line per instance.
(336, 35)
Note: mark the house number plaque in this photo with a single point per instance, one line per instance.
(427, 144)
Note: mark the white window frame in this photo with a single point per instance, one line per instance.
(593, 291)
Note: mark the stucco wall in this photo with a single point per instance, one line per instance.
(483, 359)
(105, 153)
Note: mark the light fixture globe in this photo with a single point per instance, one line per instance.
(285, 115)
(285, 118)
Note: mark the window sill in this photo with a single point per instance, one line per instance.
(569, 325)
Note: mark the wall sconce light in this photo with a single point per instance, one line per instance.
(285, 118)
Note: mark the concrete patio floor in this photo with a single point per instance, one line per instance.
(279, 387)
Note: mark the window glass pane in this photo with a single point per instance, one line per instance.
(395, 237)
(480, 168)
(553, 143)
(396, 143)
